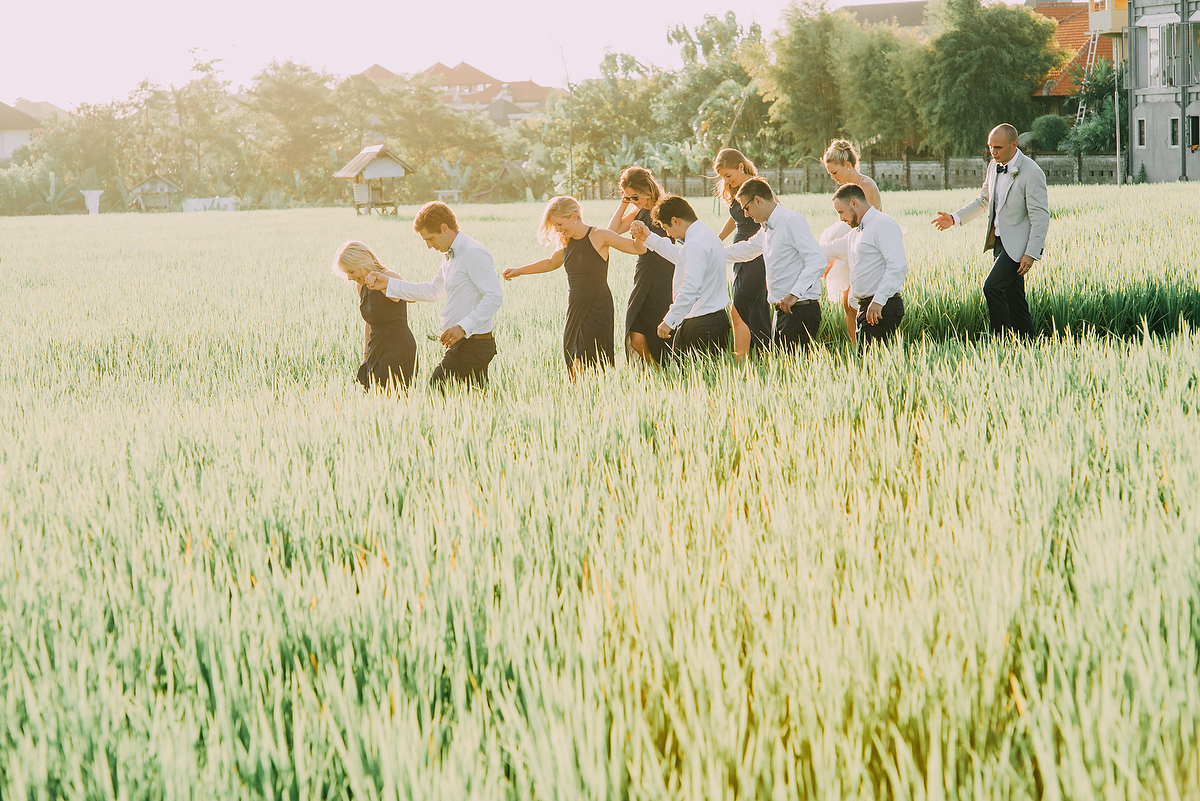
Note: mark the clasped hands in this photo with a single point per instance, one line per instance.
(638, 232)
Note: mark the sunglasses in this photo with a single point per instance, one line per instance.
(631, 198)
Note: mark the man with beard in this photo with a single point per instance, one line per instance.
(874, 249)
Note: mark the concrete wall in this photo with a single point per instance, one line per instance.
(1061, 169)
(1162, 160)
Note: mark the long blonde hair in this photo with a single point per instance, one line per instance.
(561, 206)
(841, 151)
(355, 254)
(729, 159)
(642, 180)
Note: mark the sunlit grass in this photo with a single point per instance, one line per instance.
(954, 568)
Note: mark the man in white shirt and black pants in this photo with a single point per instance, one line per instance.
(874, 248)
(467, 279)
(698, 319)
(793, 259)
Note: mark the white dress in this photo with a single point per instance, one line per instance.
(837, 280)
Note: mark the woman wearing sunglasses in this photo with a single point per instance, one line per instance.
(651, 295)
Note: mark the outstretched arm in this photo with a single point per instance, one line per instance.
(752, 248)
(614, 240)
(970, 211)
(544, 266)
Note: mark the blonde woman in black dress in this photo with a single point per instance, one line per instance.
(582, 250)
(651, 294)
(389, 348)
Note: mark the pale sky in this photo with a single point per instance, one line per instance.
(70, 52)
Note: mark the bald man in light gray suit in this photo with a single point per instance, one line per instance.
(1018, 221)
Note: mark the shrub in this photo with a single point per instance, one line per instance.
(1050, 130)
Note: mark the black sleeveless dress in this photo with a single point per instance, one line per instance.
(588, 334)
(391, 348)
(750, 284)
(651, 295)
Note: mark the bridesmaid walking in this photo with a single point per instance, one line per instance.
(751, 311)
(650, 297)
(583, 251)
(389, 348)
(841, 162)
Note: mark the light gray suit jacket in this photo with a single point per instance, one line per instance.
(1021, 215)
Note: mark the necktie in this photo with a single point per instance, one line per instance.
(1001, 169)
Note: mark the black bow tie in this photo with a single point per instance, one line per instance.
(1001, 169)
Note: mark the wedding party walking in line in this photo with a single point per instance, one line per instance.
(682, 303)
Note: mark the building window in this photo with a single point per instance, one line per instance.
(1141, 133)
(1193, 131)
(1152, 49)
(1173, 137)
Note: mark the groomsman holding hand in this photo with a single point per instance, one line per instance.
(698, 319)
(1014, 196)
(794, 263)
(468, 281)
(874, 249)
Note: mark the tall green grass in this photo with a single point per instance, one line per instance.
(955, 568)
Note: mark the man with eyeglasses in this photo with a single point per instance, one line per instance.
(1014, 196)
(793, 260)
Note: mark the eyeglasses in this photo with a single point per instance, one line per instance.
(746, 206)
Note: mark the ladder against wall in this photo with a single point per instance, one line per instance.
(1088, 63)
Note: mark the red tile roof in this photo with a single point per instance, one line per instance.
(462, 75)
(380, 75)
(1072, 36)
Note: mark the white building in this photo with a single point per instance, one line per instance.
(16, 129)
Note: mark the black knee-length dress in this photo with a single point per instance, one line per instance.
(391, 349)
(651, 295)
(750, 284)
(588, 334)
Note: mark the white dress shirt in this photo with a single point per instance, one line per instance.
(1003, 184)
(698, 287)
(875, 252)
(467, 278)
(792, 256)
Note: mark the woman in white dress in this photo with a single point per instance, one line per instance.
(841, 162)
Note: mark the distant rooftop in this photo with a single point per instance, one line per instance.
(1072, 35)
(40, 111)
(906, 14)
(12, 119)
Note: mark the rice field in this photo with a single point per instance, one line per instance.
(955, 568)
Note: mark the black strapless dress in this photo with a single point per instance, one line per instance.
(588, 334)
(750, 285)
(391, 348)
(651, 295)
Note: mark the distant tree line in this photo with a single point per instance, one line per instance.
(779, 99)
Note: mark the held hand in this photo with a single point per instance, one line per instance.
(1026, 263)
(376, 281)
(639, 232)
(786, 304)
(664, 331)
(943, 221)
(511, 273)
(452, 335)
(874, 313)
